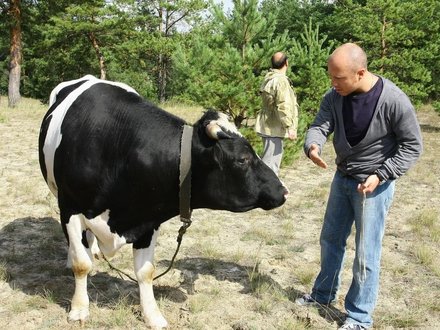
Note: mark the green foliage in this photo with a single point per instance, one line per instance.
(401, 39)
(222, 67)
(309, 68)
(141, 81)
(223, 87)
(170, 50)
(436, 106)
(123, 38)
(309, 75)
(61, 40)
(293, 15)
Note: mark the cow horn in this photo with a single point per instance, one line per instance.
(214, 131)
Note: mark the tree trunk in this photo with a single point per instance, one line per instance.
(162, 78)
(161, 72)
(15, 54)
(102, 65)
(383, 53)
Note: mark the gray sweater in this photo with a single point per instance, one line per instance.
(391, 146)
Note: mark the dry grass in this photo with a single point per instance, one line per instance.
(426, 228)
(189, 112)
(4, 276)
(239, 271)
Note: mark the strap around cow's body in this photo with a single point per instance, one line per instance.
(185, 174)
(184, 189)
(184, 194)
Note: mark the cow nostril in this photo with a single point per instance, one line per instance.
(286, 193)
(285, 187)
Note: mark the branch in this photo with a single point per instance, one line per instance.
(177, 20)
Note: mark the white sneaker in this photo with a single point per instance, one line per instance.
(352, 326)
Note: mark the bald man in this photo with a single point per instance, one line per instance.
(278, 118)
(377, 139)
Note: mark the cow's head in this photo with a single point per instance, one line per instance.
(227, 174)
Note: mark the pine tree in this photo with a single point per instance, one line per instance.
(93, 22)
(167, 19)
(308, 72)
(401, 39)
(223, 66)
(309, 68)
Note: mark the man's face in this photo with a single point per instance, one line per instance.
(344, 79)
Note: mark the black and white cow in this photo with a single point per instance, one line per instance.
(112, 160)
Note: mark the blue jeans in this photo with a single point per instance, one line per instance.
(345, 206)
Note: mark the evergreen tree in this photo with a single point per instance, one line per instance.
(309, 69)
(70, 41)
(293, 15)
(165, 49)
(170, 16)
(309, 54)
(223, 66)
(91, 21)
(400, 38)
(72, 38)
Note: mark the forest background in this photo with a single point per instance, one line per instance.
(193, 52)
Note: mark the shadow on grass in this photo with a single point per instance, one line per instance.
(33, 254)
(429, 128)
(332, 314)
(252, 281)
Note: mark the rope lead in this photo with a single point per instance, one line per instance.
(361, 257)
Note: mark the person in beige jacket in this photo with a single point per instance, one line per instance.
(278, 118)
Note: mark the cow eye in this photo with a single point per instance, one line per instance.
(243, 160)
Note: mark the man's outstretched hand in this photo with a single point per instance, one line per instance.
(315, 158)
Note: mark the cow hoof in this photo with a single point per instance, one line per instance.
(157, 323)
(80, 315)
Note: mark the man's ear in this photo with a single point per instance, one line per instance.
(361, 73)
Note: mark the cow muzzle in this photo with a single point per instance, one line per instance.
(286, 190)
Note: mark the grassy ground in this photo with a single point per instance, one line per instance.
(234, 271)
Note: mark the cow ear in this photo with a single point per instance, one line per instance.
(214, 131)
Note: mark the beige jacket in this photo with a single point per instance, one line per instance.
(279, 109)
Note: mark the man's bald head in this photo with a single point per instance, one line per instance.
(347, 68)
(279, 59)
(350, 55)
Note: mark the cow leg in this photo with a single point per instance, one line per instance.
(93, 245)
(144, 269)
(81, 262)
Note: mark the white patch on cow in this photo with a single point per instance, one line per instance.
(93, 245)
(144, 270)
(53, 135)
(98, 234)
(226, 125)
(109, 243)
(59, 87)
(81, 263)
(80, 258)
